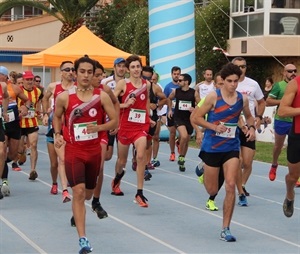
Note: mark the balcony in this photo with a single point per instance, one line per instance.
(260, 28)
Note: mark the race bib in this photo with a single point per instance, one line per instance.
(230, 132)
(30, 114)
(137, 116)
(80, 132)
(11, 115)
(184, 105)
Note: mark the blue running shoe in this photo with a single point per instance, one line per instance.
(155, 162)
(199, 170)
(84, 245)
(242, 200)
(227, 236)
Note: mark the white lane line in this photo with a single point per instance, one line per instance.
(193, 207)
(22, 235)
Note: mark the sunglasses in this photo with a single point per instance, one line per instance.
(180, 80)
(37, 81)
(291, 71)
(68, 69)
(147, 78)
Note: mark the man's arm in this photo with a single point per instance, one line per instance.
(5, 101)
(285, 108)
(261, 105)
(45, 102)
(111, 113)
(250, 133)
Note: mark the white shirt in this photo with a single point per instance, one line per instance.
(205, 89)
(253, 91)
(109, 81)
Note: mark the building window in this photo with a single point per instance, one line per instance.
(285, 23)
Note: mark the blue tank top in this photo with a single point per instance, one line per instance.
(228, 115)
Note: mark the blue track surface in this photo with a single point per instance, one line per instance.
(34, 221)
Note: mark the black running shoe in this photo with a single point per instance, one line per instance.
(147, 175)
(97, 208)
(288, 207)
(73, 224)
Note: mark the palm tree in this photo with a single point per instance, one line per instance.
(70, 12)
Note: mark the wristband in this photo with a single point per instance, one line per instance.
(252, 126)
(56, 133)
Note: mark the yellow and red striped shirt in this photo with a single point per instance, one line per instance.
(31, 119)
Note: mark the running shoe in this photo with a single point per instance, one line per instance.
(54, 189)
(245, 192)
(172, 157)
(150, 166)
(15, 167)
(272, 172)
(181, 160)
(155, 163)
(297, 183)
(147, 175)
(210, 205)
(181, 168)
(33, 175)
(227, 236)
(177, 145)
(288, 207)
(84, 245)
(5, 188)
(242, 200)
(134, 165)
(116, 189)
(199, 170)
(66, 196)
(141, 200)
(72, 221)
(98, 209)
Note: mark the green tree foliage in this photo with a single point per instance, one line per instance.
(133, 35)
(211, 26)
(111, 16)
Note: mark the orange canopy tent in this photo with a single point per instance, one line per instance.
(80, 43)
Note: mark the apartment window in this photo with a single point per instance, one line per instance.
(285, 23)
(239, 28)
(256, 24)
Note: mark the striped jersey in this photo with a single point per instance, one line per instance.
(228, 115)
(30, 120)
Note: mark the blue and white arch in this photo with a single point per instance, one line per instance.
(172, 37)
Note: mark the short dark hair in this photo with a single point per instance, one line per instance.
(84, 59)
(270, 80)
(131, 59)
(207, 69)
(230, 69)
(187, 77)
(175, 68)
(99, 65)
(64, 62)
(148, 68)
(36, 76)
